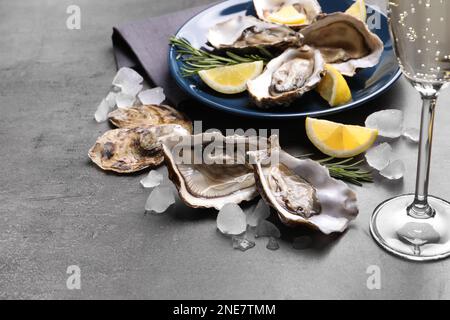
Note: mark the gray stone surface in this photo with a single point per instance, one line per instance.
(57, 209)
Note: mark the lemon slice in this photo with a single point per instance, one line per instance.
(231, 79)
(334, 88)
(339, 140)
(287, 15)
(358, 10)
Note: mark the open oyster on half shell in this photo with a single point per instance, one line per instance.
(310, 9)
(211, 170)
(344, 41)
(287, 77)
(247, 32)
(128, 150)
(146, 115)
(302, 191)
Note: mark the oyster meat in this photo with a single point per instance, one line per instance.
(210, 170)
(293, 192)
(287, 77)
(302, 191)
(129, 150)
(146, 115)
(344, 41)
(309, 8)
(247, 32)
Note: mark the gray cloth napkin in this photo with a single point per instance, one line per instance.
(143, 45)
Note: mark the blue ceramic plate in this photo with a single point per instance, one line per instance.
(366, 85)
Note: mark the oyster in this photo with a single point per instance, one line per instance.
(303, 193)
(287, 77)
(210, 170)
(345, 42)
(145, 115)
(310, 8)
(247, 32)
(129, 150)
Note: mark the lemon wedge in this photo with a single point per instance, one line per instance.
(287, 15)
(334, 88)
(231, 79)
(339, 140)
(358, 10)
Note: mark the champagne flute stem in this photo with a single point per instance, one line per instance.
(420, 208)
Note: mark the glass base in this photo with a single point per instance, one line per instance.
(412, 238)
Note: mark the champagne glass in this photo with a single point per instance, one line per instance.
(417, 226)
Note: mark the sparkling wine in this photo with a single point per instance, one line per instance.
(422, 38)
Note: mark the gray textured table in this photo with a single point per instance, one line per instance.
(57, 209)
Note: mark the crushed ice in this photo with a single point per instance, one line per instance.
(379, 156)
(267, 229)
(124, 100)
(394, 171)
(260, 213)
(127, 78)
(105, 107)
(272, 244)
(152, 96)
(242, 243)
(412, 134)
(231, 220)
(153, 179)
(161, 198)
(389, 123)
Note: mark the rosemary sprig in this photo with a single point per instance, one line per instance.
(195, 60)
(347, 170)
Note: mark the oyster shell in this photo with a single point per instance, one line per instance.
(287, 77)
(210, 170)
(310, 8)
(145, 115)
(247, 32)
(303, 193)
(345, 42)
(129, 150)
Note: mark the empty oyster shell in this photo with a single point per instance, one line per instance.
(287, 77)
(303, 193)
(310, 8)
(344, 41)
(210, 170)
(247, 32)
(129, 150)
(146, 115)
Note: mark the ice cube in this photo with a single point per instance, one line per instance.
(160, 199)
(388, 122)
(126, 78)
(103, 109)
(260, 213)
(242, 243)
(267, 229)
(111, 99)
(132, 90)
(152, 96)
(272, 244)
(153, 179)
(124, 100)
(379, 156)
(302, 243)
(412, 134)
(231, 220)
(394, 171)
